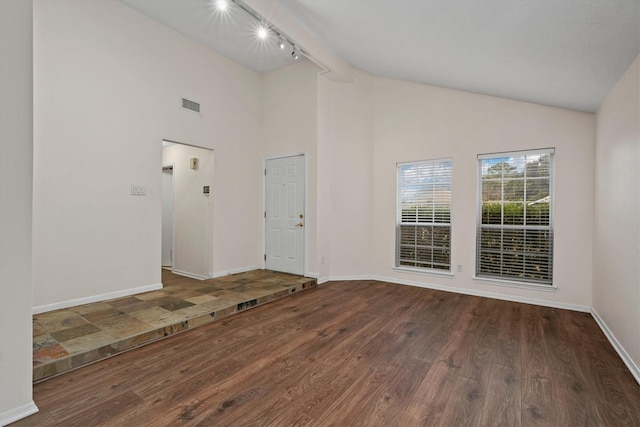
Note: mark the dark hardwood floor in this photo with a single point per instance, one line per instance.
(360, 353)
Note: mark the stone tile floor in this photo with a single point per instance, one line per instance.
(69, 338)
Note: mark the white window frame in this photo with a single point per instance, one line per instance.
(509, 278)
(400, 263)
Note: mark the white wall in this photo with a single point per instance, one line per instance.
(366, 128)
(417, 122)
(107, 84)
(345, 167)
(616, 260)
(16, 154)
(192, 210)
(289, 126)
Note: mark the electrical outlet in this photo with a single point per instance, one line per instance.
(459, 268)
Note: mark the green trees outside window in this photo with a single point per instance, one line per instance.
(515, 239)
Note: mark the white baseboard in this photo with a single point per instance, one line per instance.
(95, 298)
(190, 275)
(635, 370)
(512, 298)
(349, 278)
(312, 275)
(18, 413)
(235, 271)
(473, 292)
(326, 279)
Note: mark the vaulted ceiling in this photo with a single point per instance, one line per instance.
(564, 53)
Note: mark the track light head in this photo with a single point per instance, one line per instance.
(263, 32)
(222, 5)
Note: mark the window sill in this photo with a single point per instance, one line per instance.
(514, 284)
(445, 274)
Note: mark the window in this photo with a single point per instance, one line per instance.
(515, 220)
(423, 225)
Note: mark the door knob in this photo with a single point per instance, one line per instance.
(300, 224)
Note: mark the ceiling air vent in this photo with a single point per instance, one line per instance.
(190, 105)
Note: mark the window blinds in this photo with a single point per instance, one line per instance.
(515, 216)
(423, 226)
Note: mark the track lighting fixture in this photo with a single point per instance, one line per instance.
(264, 29)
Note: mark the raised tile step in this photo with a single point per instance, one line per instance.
(69, 338)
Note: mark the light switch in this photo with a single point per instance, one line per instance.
(138, 190)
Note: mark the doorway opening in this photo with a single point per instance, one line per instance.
(187, 209)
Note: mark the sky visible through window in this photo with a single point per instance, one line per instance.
(420, 179)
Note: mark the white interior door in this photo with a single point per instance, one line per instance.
(284, 213)
(167, 216)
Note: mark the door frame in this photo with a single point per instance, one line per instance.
(173, 197)
(263, 262)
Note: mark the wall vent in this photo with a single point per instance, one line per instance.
(190, 105)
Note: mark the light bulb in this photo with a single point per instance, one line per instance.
(222, 5)
(263, 32)
(281, 43)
